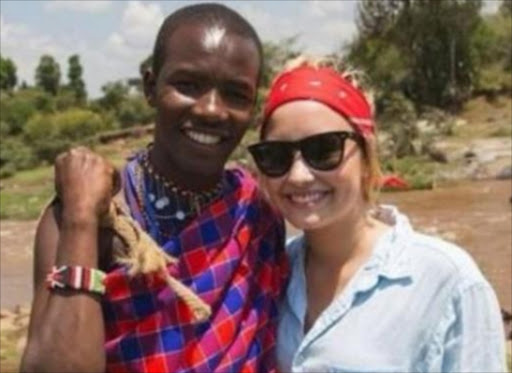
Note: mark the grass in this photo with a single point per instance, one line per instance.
(9, 354)
(419, 172)
(24, 194)
(486, 118)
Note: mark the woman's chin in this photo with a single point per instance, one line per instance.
(306, 222)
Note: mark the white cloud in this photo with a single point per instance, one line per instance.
(268, 25)
(322, 26)
(34, 44)
(89, 6)
(140, 23)
(322, 8)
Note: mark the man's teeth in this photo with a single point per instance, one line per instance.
(203, 138)
(309, 197)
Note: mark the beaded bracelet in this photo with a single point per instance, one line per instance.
(77, 278)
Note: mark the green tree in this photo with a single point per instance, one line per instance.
(76, 83)
(426, 45)
(48, 74)
(377, 17)
(8, 77)
(114, 93)
(17, 109)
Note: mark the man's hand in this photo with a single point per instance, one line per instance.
(84, 181)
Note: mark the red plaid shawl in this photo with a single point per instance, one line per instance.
(232, 256)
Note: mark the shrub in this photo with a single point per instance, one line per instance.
(51, 134)
(15, 155)
(134, 111)
(18, 108)
(417, 171)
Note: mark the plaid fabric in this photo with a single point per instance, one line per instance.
(233, 257)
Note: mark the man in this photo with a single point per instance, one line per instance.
(207, 62)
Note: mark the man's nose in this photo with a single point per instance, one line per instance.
(300, 173)
(211, 106)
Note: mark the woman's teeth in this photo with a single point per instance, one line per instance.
(203, 138)
(307, 198)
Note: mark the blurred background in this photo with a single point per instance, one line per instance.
(440, 71)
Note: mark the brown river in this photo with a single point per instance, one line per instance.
(475, 215)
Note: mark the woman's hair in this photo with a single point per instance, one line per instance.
(373, 174)
(205, 14)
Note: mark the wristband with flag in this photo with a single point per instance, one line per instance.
(77, 278)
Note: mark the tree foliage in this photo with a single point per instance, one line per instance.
(423, 48)
(8, 78)
(76, 83)
(48, 74)
(114, 93)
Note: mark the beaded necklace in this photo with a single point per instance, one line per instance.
(166, 207)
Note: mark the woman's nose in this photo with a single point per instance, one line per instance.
(299, 172)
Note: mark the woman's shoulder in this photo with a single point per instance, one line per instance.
(430, 254)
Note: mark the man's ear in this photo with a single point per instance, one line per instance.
(149, 80)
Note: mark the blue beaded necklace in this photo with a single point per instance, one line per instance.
(166, 207)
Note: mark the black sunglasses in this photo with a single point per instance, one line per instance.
(321, 152)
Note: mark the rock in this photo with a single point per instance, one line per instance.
(505, 173)
(426, 127)
(479, 172)
(436, 153)
(469, 154)
(460, 122)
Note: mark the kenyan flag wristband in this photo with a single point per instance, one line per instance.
(77, 278)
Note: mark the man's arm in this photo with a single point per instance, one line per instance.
(66, 332)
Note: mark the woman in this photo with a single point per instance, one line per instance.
(367, 293)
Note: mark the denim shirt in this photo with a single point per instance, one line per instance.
(419, 304)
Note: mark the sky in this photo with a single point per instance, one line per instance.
(113, 37)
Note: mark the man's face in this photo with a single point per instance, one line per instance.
(204, 96)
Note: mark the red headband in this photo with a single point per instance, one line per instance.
(326, 86)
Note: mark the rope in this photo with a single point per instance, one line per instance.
(145, 256)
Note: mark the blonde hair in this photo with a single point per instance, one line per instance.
(371, 181)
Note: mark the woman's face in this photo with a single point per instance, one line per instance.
(308, 198)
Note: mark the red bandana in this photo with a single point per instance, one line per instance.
(326, 86)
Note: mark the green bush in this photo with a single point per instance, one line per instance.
(398, 118)
(65, 99)
(134, 111)
(417, 171)
(53, 133)
(15, 154)
(18, 108)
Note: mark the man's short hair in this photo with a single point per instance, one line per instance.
(205, 14)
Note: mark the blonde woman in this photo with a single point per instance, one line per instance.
(367, 292)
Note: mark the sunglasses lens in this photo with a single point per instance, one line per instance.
(323, 152)
(272, 158)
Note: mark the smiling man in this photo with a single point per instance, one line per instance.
(203, 83)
